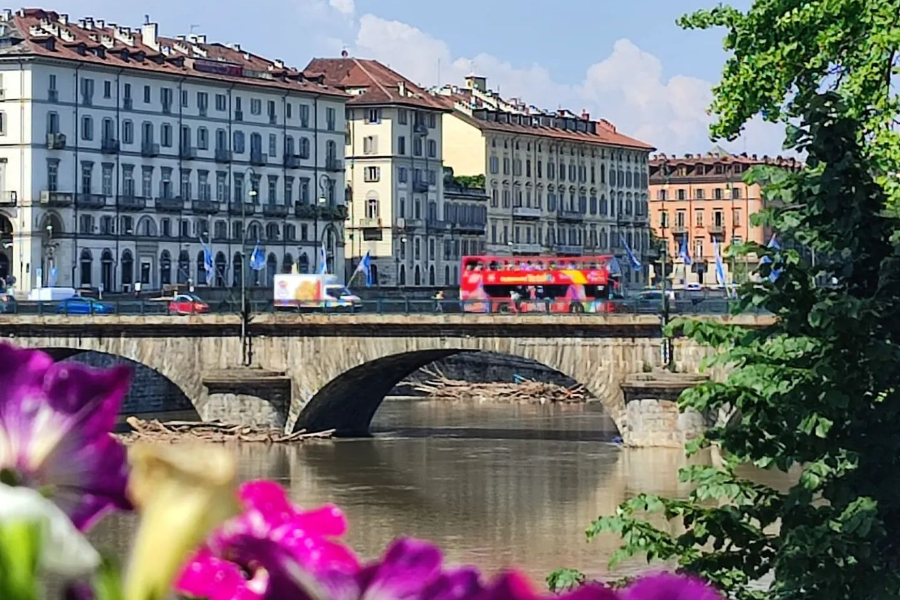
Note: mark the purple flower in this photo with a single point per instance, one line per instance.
(666, 586)
(55, 423)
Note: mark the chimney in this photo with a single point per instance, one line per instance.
(585, 115)
(474, 82)
(88, 22)
(279, 64)
(101, 24)
(6, 15)
(150, 35)
(401, 87)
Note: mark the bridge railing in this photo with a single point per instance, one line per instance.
(394, 305)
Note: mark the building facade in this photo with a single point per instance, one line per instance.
(466, 212)
(123, 153)
(394, 172)
(557, 183)
(702, 201)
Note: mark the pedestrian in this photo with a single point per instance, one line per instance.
(137, 288)
(439, 301)
(190, 285)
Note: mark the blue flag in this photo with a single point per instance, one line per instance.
(365, 267)
(323, 260)
(207, 261)
(635, 263)
(683, 252)
(774, 245)
(720, 268)
(258, 258)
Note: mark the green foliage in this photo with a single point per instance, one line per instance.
(470, 181)
(817, 391)
(563, 580)
(20, 548)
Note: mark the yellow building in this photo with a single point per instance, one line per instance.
(556, 183)
(394, 173)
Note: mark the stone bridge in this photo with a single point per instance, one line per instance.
(320, 372)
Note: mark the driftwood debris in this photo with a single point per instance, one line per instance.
(179, 431)
(527, 391)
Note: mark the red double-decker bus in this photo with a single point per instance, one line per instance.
(574, 284)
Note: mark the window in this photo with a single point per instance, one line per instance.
(107, 89)
(273, 145)
(255, 106)
(403, 116)
(304, 115)
(373, 173)
(303, 147)
(370, 144)
(330, 118)
(221, 102)
(2, 122)
(128, 181)
(698, 218)
(664, 218)
(698, 194)
(85, 225)
(288, 189)
(127, 132)
(495, 165)
(238, 142)
(717, 193)
(147, 182)
(736, 217)
(202, 102)
(52, 83)
(52, 122)
(184, 98)
(87, 91)
(681, 194)
(271, 111)
(52, 174)
(401, 145)
(303, 191)
(166, 227)
(402, 175)
(432, 121)
(736, 193)
(186, 184)
(289, 112)
(146, 94)
(203, 138)
(221, 186)
(661, 194)
(87, 128)
(165, 97)
(106, 181)
(432, 149)
(698, 249)
(221, 140)
(165, 182)
(165, 135)
(272, 189)
(107, 130)
(679, 218)
(238, 113)
(87, 172)
(373, 115)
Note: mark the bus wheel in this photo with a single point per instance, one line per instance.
(576, 307)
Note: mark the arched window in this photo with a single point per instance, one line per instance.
(236, 268)
(106, 270)
(272, 232)
(201, 268)
(374, 269)
(184, 266)
(288, 145)
(303, 263)
(127, 268)
(220, 231)
(87, 265)
(202, 138)
(303, 149)
(431, 278)
(221, 267)
(372, 211)
(447, 275)
(271, 269)
(330, 151)
(146, 134)
(402, 275)
(165, 269)
(418, 275)
(238, 145)
(221, 140)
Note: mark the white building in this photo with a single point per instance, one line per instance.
(120, 150)
(394, 173)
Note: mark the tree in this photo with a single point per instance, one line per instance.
(818, 389)
(783, 47)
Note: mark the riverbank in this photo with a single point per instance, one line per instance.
(180, 431)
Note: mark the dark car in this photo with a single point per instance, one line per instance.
(7, 303)
(76, 305)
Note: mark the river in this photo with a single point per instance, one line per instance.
(493, 485)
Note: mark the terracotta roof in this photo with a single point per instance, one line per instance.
(49, 34)
(722, 158)
(379, 84)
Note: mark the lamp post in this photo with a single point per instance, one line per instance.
(322, 201)
(245, 313)
(49, 253)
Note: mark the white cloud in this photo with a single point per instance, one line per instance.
(345, 7)
(627, 88)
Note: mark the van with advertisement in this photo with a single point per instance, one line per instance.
(321, 292)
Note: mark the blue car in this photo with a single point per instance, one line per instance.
(76, 305)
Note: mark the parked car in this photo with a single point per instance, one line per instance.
(7, 303)
(76, 305)
(188, 304)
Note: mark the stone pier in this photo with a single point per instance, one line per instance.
(651, 410)
(245, 396)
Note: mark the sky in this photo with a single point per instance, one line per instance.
(625, 61)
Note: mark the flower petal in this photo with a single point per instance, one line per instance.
(409, 566)
(509, 586)
(666, 586)
(459, 584)
(206, 576)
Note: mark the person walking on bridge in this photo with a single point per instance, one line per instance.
(438, 301)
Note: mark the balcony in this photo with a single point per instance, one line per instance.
(57, 199)
(242, 208)
(56, 141)
(410, 224)
(109, 146)
(572, 216)
(473, 228)
(420, 129)
(187, 152)
(716, 229)
(205, 207)
(334, 165)
(9, 198)
(437, 226)
(679, 229)
(569, 249)
(374, 223)
(149, 150)
(258, 159)
(527, 248)
(90, 201)
(223, 155)
(291, 161)
(132, 203)
(276, 211)
(170, 205)
(420, 187)
(527, 212)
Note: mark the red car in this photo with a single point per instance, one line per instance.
(188, 304)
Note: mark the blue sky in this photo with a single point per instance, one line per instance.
(624, 61)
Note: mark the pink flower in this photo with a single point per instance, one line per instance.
(55, 424)
(257, 554)
(666, 586)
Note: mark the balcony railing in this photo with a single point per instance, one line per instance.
(257, 158)
(58, 199)
(679, 229)
(522, 248)
(242, 208)
(374, 223)
(109, 146)
(334, 165)
(409, 224)
(223, 155)
(437, 225)
(527, 212)
(170, 204)
(716, 228)
(90, 201)
(476, 228)
(420, 186)
(187, 152)
(420, 129)
(150, 150)
(571, 215)
(9, 198)
(324, 213)
(569, 249)
(291, 161)
(276, 211)
(56, 141)
(132, 203)
(205, 207)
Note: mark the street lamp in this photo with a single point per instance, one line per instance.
(324, 182)
(245, 313)
(49, 253)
